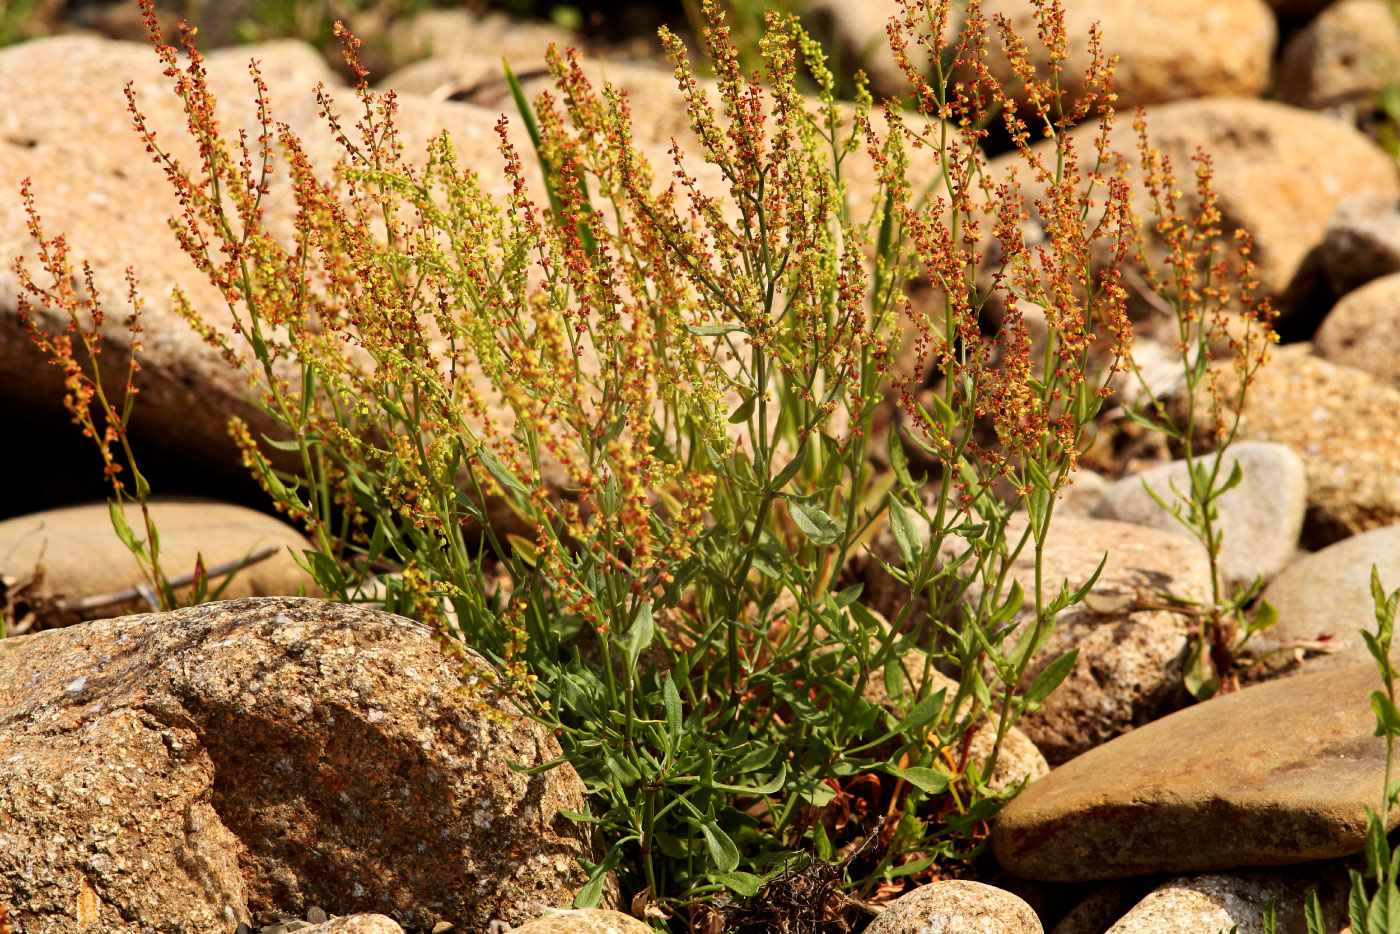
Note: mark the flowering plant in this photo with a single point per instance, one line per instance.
(627, 445)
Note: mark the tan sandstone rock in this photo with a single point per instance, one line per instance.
(1167, 49)
(65, 555)
(262, 755)
(1274, 774)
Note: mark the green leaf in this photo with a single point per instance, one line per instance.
(941, 411)
(123, 530)
(894, 679)
(592, 891)
(790, 471)
(821, 843)
(1384, 916)
(1200, 678)
(499, 471)
(1236, 477)
(722, 849)
(906, 536)
(757, 758)
(671, 701)
(1377, 847)
(713, 330)
(1357, 904)
(923, 713)
(639, 636)
(813, 521)
(1387, 719)
(923, 779)
(143, 489)
(745, 409)
(1050, 677)
(846, 597)
(578, 817)
(744, 884)
(1312, 910)
(325, 571)
(898, 461)
(1264, 617)
(1270, 916)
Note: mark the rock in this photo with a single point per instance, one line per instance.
(1222, 901)
(263, 755)
(1130, 665)
(1342, 59)
(71, 554)
(489, 35)
(316, 915)
(1362, 242)
(1083, 495)
(112, 204)
(1096, 912)
(1273, 774)
(1363, 330)
(1167, 49)
(956, 906)
(356, 924)
(1260, 519)
(589, 921)
(1343, 423)
(1330, 592)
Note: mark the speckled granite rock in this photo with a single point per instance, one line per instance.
(956, 906)
(266, 754)
(1220, 901)
(1274, 774)
(1342, 59)
(1130, 661)
(1363, 330)
(1361, 243)
(1345, 425)
(590, 921)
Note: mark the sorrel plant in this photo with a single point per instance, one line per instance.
(622, 445)
(1210, 295)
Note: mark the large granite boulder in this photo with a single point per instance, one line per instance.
(188, 770)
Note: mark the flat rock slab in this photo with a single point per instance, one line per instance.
(185, 771)
(1275, 774)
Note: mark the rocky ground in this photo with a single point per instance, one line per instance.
(128, 801)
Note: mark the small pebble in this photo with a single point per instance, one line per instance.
(316, 915)
(443, 927)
